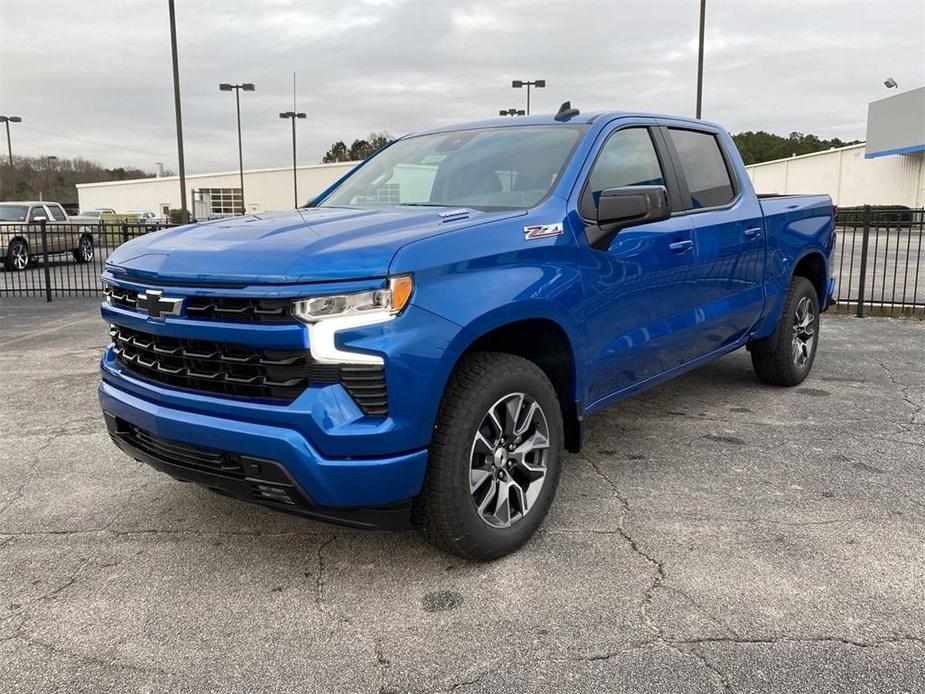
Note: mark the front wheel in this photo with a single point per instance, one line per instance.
(84, 251)
(17, 255)
(495, 457)
(793, 349)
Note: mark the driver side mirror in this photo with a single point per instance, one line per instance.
(40, 218)
(619, 208)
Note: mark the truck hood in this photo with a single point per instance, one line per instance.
(306, 245)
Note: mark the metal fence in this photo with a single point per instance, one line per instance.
(58, 260)
(878, 262)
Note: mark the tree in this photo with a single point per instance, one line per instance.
(56, 179)
(756, 147)
(359, 150)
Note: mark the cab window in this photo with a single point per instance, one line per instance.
(38, 211)
(628, 158)
(704, 168)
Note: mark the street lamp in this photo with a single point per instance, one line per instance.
(511, 112)
(292, 115)
(247, 87)
(519, 84)
(8, 120)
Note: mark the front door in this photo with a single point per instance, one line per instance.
(639, 298)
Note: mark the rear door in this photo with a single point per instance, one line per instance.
(728, 232)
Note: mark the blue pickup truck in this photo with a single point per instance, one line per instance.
(419, 344)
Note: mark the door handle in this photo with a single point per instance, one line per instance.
(681, 246)
(752, 233)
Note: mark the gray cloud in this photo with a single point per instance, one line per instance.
(100, 71)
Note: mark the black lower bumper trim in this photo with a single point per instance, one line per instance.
(257, 480)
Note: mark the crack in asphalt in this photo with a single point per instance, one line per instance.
(17, 495)
(319, 579)
(904, 395)
(658, 581)
(93, 660)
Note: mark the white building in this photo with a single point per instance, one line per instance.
(887, 169)
(212, 194)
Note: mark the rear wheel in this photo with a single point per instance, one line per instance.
(17, 255)
(794, 349)
(495, 458)
(84, 251)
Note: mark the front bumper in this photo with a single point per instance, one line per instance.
(366, 492)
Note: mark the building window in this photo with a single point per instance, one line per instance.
(220, 202)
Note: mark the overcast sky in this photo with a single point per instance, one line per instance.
(93, 79)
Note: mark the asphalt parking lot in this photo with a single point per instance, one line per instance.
(716, 535)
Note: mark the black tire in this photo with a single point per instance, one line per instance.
(84, 251)
(785, 363)
(446, 510)
(17, 256)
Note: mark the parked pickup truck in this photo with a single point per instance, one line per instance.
(422, 342)
(21, 233)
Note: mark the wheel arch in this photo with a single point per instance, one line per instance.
(812, 265)
(547, 343)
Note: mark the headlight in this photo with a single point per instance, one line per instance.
(379, 301)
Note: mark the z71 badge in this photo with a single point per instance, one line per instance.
(541, 231)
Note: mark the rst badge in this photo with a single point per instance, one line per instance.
(541, 231)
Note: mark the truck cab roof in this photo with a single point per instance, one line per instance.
(550, 119)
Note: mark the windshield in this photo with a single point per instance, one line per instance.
(89, 213)
(508, 167)
(13, 213)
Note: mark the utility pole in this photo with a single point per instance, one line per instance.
(176, 102)
(703, 16)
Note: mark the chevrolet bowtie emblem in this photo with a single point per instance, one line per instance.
(157, 305)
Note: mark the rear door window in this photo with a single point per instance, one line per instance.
(704, 167)
(56, 212)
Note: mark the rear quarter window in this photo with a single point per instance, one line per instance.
(704, 167)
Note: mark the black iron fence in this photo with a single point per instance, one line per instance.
(878, 261)
(58, 260)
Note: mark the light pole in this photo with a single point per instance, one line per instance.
(703, 17)
(176, 106)
(511, 112)
(8, 120)
(292, 115)
(518, 84)
(247, 87)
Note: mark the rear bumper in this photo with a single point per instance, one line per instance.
(366, 492)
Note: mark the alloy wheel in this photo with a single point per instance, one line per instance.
(804, 332)
(19, 254)
(507, 462)
(86, 249)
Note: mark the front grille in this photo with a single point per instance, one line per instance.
(241, 371)
(226, 308)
